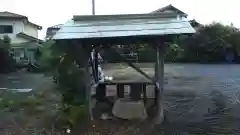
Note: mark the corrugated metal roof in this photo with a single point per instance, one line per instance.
(101, 26)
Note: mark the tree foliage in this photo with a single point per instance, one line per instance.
(211, 43)
(69, 76)
(7, 64)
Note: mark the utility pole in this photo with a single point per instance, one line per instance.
(93, 7)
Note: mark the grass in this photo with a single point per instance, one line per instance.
(28, 112)
(11, 100)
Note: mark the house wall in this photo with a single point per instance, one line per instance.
(31, 30)
(18, 26)
(22, 55)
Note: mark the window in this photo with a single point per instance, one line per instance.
(6, 29)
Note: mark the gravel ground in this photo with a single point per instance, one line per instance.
(199, 99)
(24, 80)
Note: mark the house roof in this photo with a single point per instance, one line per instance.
(171, 8)
(21, 34)
(102, 26)
(10, 15)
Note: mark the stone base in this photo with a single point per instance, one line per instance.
(130, 110)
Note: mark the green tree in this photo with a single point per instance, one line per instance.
(58, 59)
(211, 43)
(7, 64)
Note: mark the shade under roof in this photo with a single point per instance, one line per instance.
(103, 26)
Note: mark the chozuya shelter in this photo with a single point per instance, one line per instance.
(103, 31)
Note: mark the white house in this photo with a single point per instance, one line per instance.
(181, 15)
(23, 35)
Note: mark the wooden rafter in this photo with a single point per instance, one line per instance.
(131, 64)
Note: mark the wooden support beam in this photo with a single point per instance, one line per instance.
(144, 87)
(89, 93)
(131, 65)
(159, 73)
(96, 51)
(92, 64)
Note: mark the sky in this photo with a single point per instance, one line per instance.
(51, 12)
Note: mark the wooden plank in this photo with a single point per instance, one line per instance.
(125, 83)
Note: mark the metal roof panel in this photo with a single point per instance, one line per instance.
(121, 33)
(119, 26)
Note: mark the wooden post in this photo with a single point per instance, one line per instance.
(131, 64)
(101, 92)
(88, 91)
(120, 90)
(84, 51)
(91, 60)
(96, 51)
(144, 87)
(156, 68)
(160, 82)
